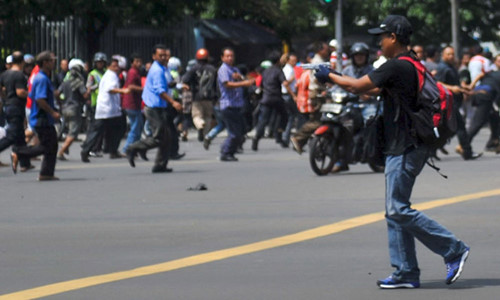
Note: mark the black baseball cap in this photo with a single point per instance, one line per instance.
(393, 24)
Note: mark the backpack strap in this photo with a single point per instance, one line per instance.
(420, 70)
(430, 162)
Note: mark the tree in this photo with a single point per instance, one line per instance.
(98, 14)
(286, 17)
(431, 19)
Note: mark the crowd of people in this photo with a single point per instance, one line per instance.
(160, 101)
(278, 96)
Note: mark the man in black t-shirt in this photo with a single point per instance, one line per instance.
(397, 80)
(448, 75)
(486, 99)
(15, 89)
(272, 99)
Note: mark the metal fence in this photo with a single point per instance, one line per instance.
(32, 36)
(64, 38)
(67, 38)
(179, 38)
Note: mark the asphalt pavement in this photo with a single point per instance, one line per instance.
(109, 231)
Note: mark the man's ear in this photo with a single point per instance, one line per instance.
(393, 38)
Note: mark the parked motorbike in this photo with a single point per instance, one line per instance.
(340, 135)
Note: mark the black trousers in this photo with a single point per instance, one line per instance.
(174, 134)
(15, 133)
(110, 128)
(159, 125)
(265, 119)
(484, 113)
(98, 145)
(462, 135)
(48, 147)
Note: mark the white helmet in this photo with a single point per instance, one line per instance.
(122, 61)
(174, 63)
(334, 44)
(76, 62)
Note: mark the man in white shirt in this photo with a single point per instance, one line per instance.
(290, 102)
(108, 113)
(478, 63)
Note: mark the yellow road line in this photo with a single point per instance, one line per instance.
(66, 286)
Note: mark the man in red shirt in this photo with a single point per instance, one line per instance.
(132, 102)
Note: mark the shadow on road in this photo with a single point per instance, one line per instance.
(461, 284)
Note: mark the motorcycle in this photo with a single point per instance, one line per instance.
(340, 135)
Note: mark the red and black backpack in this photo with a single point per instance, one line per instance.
(434, 122)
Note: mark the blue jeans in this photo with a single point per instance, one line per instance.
(404, 224)
(220, 124)
(136, 122)
(235, 124)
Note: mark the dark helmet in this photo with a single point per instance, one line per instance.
(360, 47)
(99, 56)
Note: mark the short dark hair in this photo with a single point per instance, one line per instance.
(448, 46)
(318, 46)
(133, 56)
(477, 49)
(224, 50)
(112, 60)
(159, 46)
(274, 57)
(17, 57)
(404, 40)
(43, 56)
(430, 51)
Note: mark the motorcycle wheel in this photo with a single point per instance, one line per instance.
(376, 168)
(322, 155)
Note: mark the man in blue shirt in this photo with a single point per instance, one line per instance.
(156, 98)
(231, 85)
(42, 118)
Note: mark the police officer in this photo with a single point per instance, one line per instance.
(93, 80)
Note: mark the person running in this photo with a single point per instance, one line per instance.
(272, 99)
(42, 118)
(73, 95)
(132, 102)
(230, 82)
(405, 158)
(108, 114)
(201, 80)
(156, 99)
(447, 74)
(14, 102)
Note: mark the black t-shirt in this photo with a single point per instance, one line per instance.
(398, 79)
(464, 75)
(492, 79)
(13, 80)
(449, 75)
(272, 79)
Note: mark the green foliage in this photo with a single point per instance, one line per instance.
(431, 19)
(286, 17)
